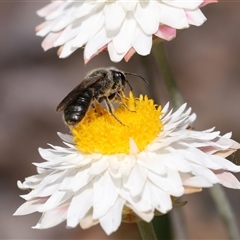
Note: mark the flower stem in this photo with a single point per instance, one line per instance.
(217, 193)
(176, 100)
(175, 95)
(146, 230)
(225, 210)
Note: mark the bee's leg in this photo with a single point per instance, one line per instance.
(111, 109)
(123, 103)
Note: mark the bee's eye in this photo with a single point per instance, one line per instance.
(117, 75)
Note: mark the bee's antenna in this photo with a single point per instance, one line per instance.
(129, 85)
(134, 74)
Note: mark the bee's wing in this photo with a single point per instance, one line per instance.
(77, 91)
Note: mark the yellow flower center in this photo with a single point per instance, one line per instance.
(100, 132)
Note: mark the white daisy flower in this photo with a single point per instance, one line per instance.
(120, 27)
(108, 173)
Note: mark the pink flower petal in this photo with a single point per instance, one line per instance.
(52, 218)
(165, 32)
(207, 2)
(129, 54)
(227, 179)
(50, 39)
(30, 206)
(102, 49)
(51, 7)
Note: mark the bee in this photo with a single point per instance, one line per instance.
(100, 85)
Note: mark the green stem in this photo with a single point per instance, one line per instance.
(218, 195)
(146, 231)
(176, 100)
(225, 211)
(164, 67)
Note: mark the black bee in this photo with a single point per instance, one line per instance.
(100, 85)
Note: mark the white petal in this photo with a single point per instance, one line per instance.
(114, 55)
(114, 11)
(200, 158)
(140, 203)
(80, 180)
(105, 194)
(88, 221)
(179, 21)
(176, 161)
(54, 201)
(43, 12)
(95, 23)
(65, 137)
(67, 180)
(129, 5)
(152, 162)
(62, 23)
(142, 42)
(60, 11)
(96, 43)
(68, 34)
(122, 41)
(45, 29)
(112, 219)
(30, 206)
(160, 199)
(67, 49)
(84, 9)
(197, 181)
(52, 218)
(114, 167)
(195, 17)
(225, 164)
(170, 183)
(205, 172)
(79, 206)
(146, 216)
(48, 185)
(176, 188)
(147, 16)
(188, 4)
(127, 164)
(99, 166)
(136, 181)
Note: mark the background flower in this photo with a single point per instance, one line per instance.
(121, 27)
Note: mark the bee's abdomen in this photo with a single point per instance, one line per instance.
(76, 111)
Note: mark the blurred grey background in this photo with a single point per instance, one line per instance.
(205, 62)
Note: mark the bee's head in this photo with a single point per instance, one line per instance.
(120, 77)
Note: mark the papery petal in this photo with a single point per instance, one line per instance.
(112, 219)
(30, 206)
(227, 179)
(92, 188)
(105, 194)
(114, 10)
(52, 218)
(80, 205)
(121, 26)
(166, 32)
(135, 182)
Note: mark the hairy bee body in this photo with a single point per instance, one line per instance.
(100, 85)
